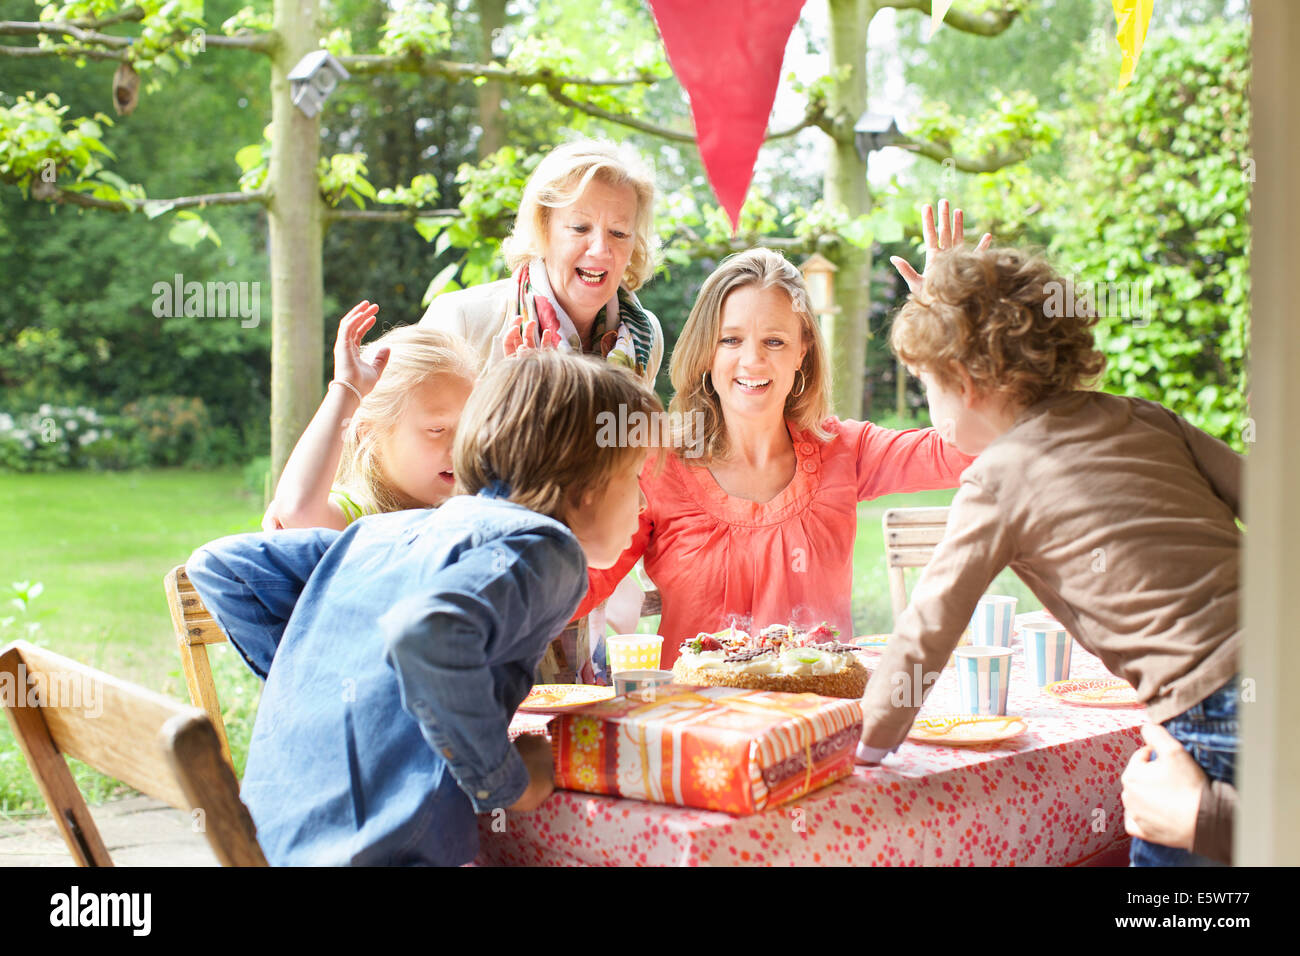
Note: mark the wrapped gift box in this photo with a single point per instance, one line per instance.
(718, 748)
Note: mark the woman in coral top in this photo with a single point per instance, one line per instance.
(752, 518)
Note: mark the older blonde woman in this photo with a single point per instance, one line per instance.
(582, 243)
(758, 528)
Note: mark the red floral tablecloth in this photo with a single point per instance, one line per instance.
(1048, 797)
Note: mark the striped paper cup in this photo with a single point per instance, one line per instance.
(1047, 651)
(991, 625)
(625, 682)
(983, 675)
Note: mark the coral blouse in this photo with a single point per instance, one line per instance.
(718, 559)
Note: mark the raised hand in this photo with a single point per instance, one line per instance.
(950, 234)
(348, 365)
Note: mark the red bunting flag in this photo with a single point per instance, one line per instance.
(727, 55)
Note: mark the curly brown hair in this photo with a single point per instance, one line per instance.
(996, 312)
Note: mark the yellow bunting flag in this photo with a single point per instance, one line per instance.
(938, 10)
(1132, 17)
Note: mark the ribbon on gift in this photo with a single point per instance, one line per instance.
(803, 723)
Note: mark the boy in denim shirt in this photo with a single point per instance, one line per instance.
(396, 652)
(1118, 514)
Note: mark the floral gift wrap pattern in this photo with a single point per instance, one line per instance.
(717, 748)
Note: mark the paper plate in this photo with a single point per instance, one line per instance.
(882, 640)
(965, 730)
(553, 698)
(1094, 692)
(529, 724)
(873, 640)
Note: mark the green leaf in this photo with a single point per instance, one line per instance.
(429, 228)
(186, 233)
(250, 156)
(440, 282)
(190, 229)
(444, 239)
(153, 208)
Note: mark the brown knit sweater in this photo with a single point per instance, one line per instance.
(1119, 516)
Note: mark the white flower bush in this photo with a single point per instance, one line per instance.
(54, 436)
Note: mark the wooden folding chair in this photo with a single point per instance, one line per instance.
(910, 538)
(61, 708)
(195, 629)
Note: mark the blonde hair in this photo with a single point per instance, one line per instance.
(698, 344)
(533, 423)
(988, 311)
(559, 181)
(417, 353)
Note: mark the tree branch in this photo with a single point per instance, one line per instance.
(58, 28)
(390, 215)
(989, 23)
(258, 42)
(89, 53)
(815, 115)
(51, 193)
(967, 164)
(557, 94)
(371, 63)
(129, 15)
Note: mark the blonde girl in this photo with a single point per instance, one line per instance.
(382, 438)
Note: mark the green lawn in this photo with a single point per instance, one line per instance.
(100, 543)
(871, 609)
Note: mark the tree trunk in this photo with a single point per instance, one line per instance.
(846, 184)
(491, 19)
(296, 237)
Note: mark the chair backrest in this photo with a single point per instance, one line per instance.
(910, 538)
(195, 629)
(61, 708)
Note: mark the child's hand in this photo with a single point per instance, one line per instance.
(949, 235)
(348, 365)
(1161, 797)
(536, 751)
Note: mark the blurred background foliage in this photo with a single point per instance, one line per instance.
(1148, 185)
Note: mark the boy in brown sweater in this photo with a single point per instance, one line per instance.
(1117, 513)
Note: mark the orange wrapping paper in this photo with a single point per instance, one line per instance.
(717, 748)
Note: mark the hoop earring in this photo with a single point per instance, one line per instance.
(704, 385)
(803, 384)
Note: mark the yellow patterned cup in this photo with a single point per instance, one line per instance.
(633, 652)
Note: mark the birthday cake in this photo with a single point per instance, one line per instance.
(777, 658)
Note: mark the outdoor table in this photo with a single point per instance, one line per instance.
(1048, 797)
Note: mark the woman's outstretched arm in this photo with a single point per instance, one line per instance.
(302, 497)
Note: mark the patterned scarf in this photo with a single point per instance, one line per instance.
(625, 332)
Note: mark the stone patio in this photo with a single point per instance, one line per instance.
(138, 831)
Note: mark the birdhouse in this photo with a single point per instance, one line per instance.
(819, 277)
(874, 131)
(313, 79)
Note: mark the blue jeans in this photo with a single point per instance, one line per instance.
(1207, 731)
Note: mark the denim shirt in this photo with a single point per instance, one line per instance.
(395, 654)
